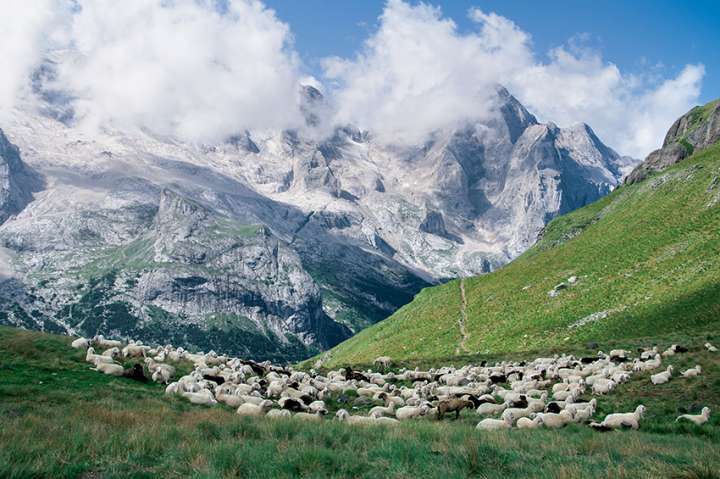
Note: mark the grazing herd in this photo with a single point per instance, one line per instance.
(545, 392)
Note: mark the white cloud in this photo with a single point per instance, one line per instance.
(183, 67)
(418, 73)
(202, 70)
(23, 37)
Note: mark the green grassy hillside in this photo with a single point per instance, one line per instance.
(647, 262)
(61, 420)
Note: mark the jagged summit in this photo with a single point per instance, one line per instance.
(280, 243)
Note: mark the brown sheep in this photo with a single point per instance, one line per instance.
(455, 404)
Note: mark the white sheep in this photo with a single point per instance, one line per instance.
(692, 372)
(495, 424)
(91, 357)
(663, 377)
(109, 368)
(278, 413)
(527, 423)
(698, 419)
(630, 419)
(205, 397)
(307, 416)
(711, 348)
(101, 342)
(490, 409)
(411, 412)
(250, 409)
(603, 386)
(556, 420)
(80, 343)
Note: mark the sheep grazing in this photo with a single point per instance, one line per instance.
(698, 419)
(711, 348)
(663, 377)
(384, 362)
(255, 410)
(527, 423)
(620, 420)
(80, 343)
(450, 405)
(495, 424)
(692, 372)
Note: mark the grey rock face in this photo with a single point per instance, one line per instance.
(694, 131)
(17, 182)
(272, 245)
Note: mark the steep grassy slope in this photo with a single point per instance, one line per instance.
(647, 262)
(62, 420)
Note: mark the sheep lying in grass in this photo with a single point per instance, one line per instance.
(411, 412)
(490, 409)
(91, 357)
(663, 377)
(527, 423)
(249, 409)
(110, 369)
(711, 348)
(203, 397)
(101, 342)
(692, 372)
(278, 413)
(621, 420)
(698, 419)
(556, 420)
(495, 424)
(113, 353)
(603, 386)
(80, 343)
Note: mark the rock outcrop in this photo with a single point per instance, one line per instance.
(694, 131)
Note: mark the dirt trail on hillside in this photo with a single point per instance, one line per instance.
(462, 320)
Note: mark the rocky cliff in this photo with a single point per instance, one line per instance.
(694, 131)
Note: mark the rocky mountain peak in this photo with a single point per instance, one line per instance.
(694, 131)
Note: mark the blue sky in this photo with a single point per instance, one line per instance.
(635, 35)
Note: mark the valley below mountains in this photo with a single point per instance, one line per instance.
(275, 244)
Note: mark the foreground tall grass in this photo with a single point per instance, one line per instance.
(59, 419)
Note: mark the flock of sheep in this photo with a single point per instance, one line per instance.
(544, 392)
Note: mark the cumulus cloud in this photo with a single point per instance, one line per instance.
(199, 70)
(417, 73)
(203, 70)
(23, 38)
(185, 68)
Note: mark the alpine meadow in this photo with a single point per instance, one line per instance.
(362, 239)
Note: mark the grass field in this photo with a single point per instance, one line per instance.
(59, 419)
(647, 262)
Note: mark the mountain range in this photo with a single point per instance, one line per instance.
(274, 244)
(642, 263)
